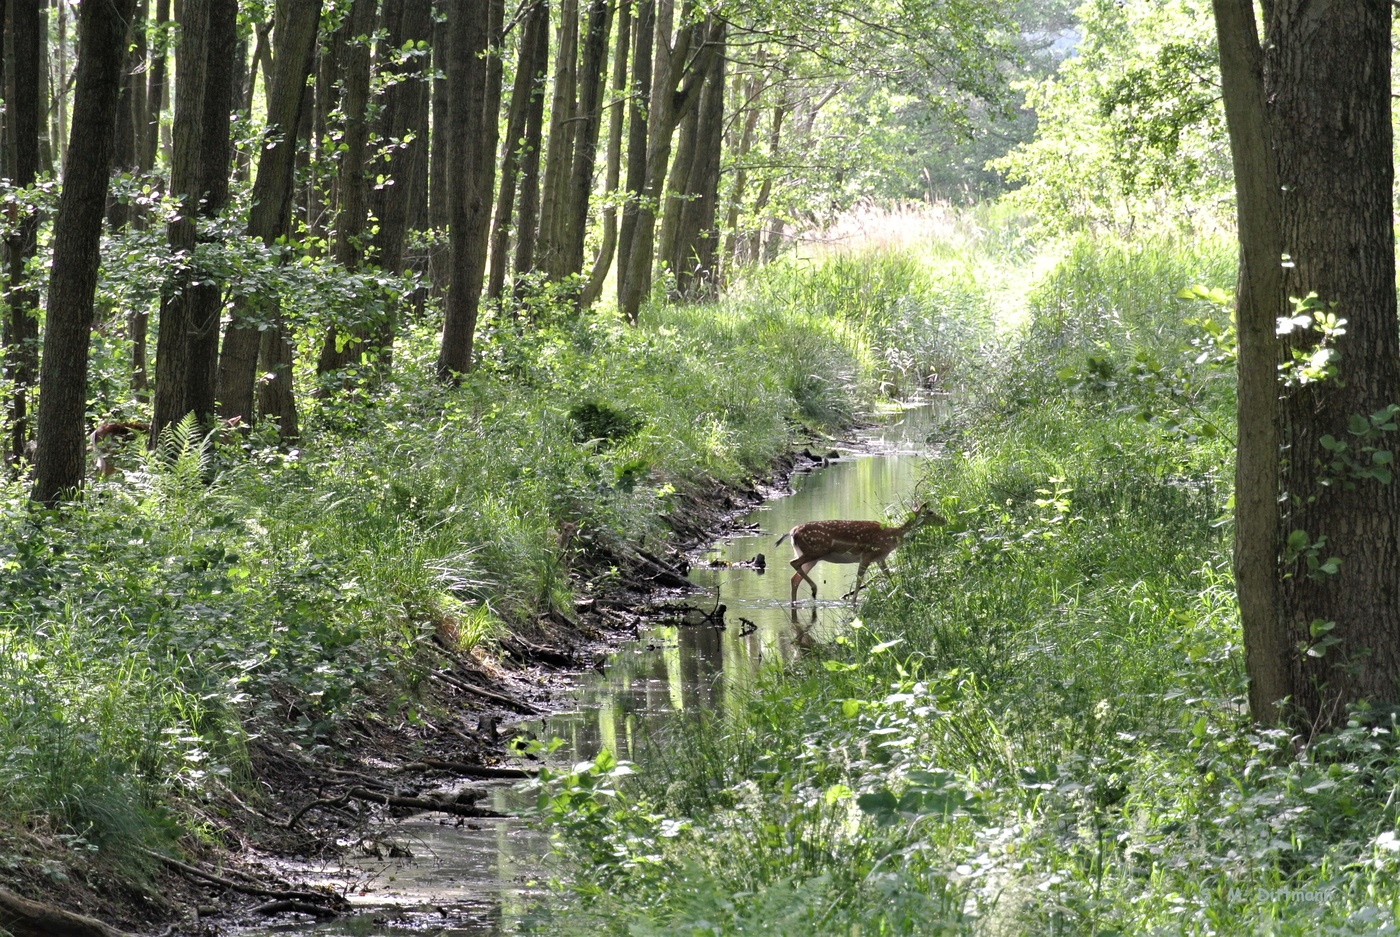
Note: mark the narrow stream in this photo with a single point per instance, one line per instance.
(479, 877)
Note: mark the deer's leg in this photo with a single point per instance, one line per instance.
(803, 566)
(860, 574)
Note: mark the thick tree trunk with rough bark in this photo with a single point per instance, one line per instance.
(1327, 79)
(1323, 108)
(62, 438)
(295, 39)
(173, 362)
(550, 249)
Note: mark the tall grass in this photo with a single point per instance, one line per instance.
(208, 595)
(1039, 725)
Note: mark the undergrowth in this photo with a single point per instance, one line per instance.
(1038, 725)
(219, 590)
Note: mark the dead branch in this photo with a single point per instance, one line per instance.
(278, 893)
(24, 918)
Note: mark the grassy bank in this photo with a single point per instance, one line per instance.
(155, 633)
(1038, 725)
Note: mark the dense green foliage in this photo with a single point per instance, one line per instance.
(207, 592)
(1038, 726)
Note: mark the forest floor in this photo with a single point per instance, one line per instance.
(318, 802)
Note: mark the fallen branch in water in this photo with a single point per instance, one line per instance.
(471, 771)
(394, 800)
(289, 904)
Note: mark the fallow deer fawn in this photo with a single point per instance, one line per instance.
(862, 542)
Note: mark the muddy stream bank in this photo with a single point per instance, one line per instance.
(443, 875)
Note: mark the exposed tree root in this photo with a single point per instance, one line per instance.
(327, 901)
(24, 918)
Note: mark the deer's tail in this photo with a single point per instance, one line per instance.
(782, 538)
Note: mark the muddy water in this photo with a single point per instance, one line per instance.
(479, 878)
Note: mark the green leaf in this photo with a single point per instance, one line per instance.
(1318, 627)
(1358, 425)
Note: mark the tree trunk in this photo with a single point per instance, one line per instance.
(157, 86)
(468, 30)
(1327, 79)
(533, 33)
(124, 140)
(675, 91)
(574, 225)
(527, 218)
(549, 249)
(765, 189)
(336, 352)
(741, 176)
(77, 233)
(676, 192)
(295, 38)
(636, 135)
(439, 191)
(422, 108)
(173, 362)
(1259, 300)
(400, 116)
(21, 333)
(613, 170)
(696, 240)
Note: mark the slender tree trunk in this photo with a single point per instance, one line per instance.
(675, 91)
(157, 87)
(636, 135)
(124, 156)
(741, 176)
(765, 189)
(439, 191)
(45, 135)
(418, 180)
(295, 38)
(77, 232)
(559, 152)
(61, 105)
(696, 240)
(468, 28)
(613, 169)
(533, 33)
(526, 225)
(21, 333)
(338, 352)
(1258, 301)
(676, 192)
(574, 227)
(401, 115)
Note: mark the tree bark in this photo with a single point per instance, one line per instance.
(439, 191)
(399, 118)
(752, 88)
(337, 353)
(574, 225)
(21, 332)
(549, 250)
(613, 168)
(468, 29)
(1259, 299)
(696, 239)
(636, 135)
(77, 232)
(295, 39)
(527, 218)
(533, 32)
(675, 91)
(1327, 79)
(173, 361)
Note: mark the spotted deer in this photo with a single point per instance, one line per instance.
(862, 542)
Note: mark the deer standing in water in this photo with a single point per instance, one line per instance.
(862, 542)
